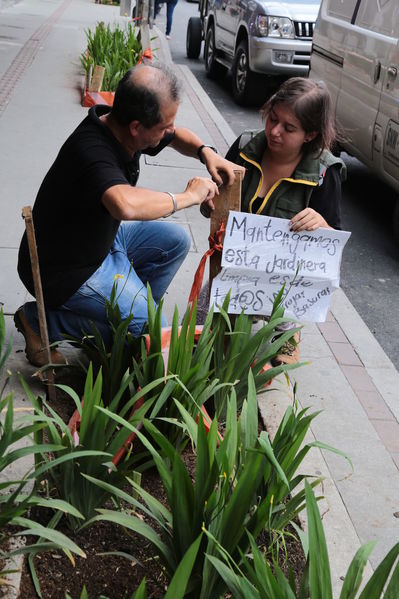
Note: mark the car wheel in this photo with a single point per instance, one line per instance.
(213, 68)
(193, 37)
(396, 221)
(243, 80)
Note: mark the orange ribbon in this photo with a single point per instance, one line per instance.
(215, 245)
(146, 54)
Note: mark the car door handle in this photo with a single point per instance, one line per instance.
(377, 72)
(392, 72)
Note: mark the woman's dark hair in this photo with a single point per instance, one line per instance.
(139, 99)
(311, 102)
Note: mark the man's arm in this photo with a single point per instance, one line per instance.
(221, 170)
(124, 202)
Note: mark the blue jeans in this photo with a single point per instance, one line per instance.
(143, 252)
(157, 7)
(170, 8)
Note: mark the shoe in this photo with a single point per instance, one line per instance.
(168, 37)
(289, 352)
(34, 350)
(260, 318)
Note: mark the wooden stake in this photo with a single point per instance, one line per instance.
(229, 198)
(96, 81)
(30, 234)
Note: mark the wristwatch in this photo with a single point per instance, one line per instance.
(199, 151)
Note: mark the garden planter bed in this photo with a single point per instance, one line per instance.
(111, 576)
(101, 72)
(193, 506)
(115, 576)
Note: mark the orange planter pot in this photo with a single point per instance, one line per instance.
(93, 98)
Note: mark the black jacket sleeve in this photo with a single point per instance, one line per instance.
(233, 151)
(326, 199)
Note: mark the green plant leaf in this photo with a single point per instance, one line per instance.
(54, 536)
(232, 580)
(354, 574)
(319, 565)
(374, 587)
(141, 592)
(178, 584)
(133, 523)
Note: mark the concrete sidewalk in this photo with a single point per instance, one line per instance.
(350, 378)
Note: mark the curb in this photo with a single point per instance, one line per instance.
(377, 364)
(16, 563)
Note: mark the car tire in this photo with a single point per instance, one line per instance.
(243, 79)
(193, 37)
(213, 69)
(396, 220)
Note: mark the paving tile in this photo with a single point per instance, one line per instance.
(374, 405)
(345, 354)
(332, 332)
(358, 378)
(388, 431)
(330, 317)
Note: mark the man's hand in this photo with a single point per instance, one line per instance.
(308, 220)
(220, 169)
(201, 189)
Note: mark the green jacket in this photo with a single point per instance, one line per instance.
(288, 196)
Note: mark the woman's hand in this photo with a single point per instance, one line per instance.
(308, 220)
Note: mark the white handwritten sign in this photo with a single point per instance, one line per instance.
(260, 254)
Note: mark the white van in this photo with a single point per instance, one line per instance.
(356, 52)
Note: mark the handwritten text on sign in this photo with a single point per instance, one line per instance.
(260, 254)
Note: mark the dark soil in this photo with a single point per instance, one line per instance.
(114, 576)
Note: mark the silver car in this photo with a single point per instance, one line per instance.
(255, 38)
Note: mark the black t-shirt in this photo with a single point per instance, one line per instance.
(74, 231)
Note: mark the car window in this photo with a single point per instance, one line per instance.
(379, 16)
(343, 9)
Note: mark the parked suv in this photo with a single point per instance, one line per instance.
(253, 37)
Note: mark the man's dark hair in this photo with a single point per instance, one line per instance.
(139, 98)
